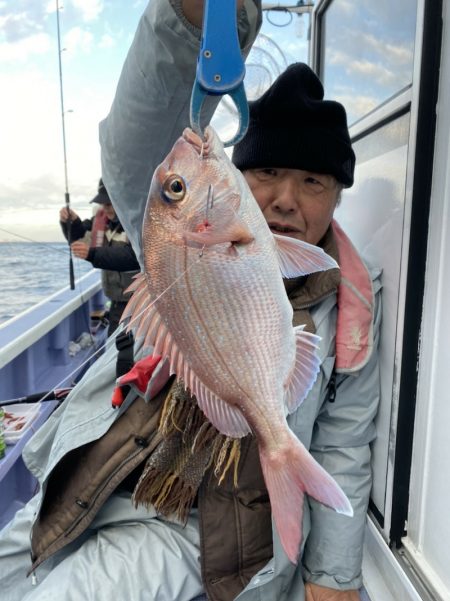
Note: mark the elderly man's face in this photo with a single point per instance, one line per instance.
(295, 203)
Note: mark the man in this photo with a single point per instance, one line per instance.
(109, 250)
(88, 541)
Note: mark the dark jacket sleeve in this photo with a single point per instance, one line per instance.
(78, 228)
(119, 257)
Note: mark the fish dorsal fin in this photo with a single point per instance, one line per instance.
(306, 368)
(140, 297)
(297, 258)
(150, 326)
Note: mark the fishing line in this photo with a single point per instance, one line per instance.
(113, 336)
(47, 245)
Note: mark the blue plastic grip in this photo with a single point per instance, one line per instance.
(220, 68)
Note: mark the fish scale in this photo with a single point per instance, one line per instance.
(221, 310)
(218, 312)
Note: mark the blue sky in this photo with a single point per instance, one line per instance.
(368, 50)
(96, 35)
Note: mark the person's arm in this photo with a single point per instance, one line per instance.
(115, 258)
(78, 228)
(151, 106)
(342, 434)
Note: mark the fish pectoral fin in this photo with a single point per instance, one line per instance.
(232, 230)
(297, 258)
(306, 368)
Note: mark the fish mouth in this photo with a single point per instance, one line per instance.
(199, 144)
(207, 146)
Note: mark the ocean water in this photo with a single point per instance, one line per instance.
(31, 271)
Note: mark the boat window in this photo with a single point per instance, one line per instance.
(367, 52)
(372, 212)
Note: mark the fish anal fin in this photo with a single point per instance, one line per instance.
(297, 258)
(228, 419)
(305, 370)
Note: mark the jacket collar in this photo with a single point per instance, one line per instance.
(307, 291)
(355, 299)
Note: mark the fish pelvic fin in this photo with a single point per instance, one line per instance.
(305, 370)
(289, 473)
(297, 258)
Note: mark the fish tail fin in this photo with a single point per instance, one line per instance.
(289, 473)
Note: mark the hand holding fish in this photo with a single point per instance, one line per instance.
(314, 592)
(193, 10)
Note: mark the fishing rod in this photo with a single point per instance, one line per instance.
(39, 397)
(66, 179)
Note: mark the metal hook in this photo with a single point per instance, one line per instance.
(209, 200)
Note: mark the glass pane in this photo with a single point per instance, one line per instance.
(367, 52)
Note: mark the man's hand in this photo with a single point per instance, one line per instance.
(314, 592)
(193, 11)
(64, 214)
(80, 249)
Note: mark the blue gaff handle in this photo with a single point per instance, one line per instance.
(220, 68)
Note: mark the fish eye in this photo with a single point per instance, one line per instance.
(174, 188)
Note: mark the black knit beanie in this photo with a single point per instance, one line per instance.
(291, 126)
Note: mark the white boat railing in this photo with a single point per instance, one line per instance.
(23, 330)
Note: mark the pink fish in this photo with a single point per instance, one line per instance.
(213, 303)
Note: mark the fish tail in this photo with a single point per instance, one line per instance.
(289, 473)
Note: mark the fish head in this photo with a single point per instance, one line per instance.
(195, 194)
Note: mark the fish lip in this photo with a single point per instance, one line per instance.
(198, 144)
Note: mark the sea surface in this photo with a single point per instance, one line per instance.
(31, 271)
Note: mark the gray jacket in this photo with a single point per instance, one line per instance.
(150, 110)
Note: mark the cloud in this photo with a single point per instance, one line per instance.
(371, 69)
(26, 19)
(107, 41)
(78, 40)
(25, 48)
(90, 9)
(32, 153)
(356, 103)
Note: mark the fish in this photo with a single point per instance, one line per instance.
(211, 301)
